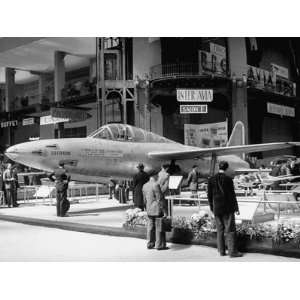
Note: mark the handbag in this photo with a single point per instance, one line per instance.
(164, 224)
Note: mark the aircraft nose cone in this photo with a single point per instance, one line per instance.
(12, 152)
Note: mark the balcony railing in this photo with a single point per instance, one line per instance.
(186, 70)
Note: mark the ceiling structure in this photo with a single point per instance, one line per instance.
(27, 54)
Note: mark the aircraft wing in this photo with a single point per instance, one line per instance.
(200, 152)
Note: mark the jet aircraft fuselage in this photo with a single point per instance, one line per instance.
(110, 152)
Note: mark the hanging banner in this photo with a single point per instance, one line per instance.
(206, 135)
(47, 120)
(267, 80)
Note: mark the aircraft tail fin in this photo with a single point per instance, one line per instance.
(237, 137)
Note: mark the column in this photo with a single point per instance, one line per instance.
(42, 85)
(9, 98)
(59, 82)
(237, 57)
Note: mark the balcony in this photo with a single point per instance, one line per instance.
(170, 71)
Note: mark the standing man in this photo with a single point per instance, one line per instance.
(223, 203)
(138, 181)
(163, 179)
(156, 208)
(8, 178)
(61, 179)
(193, 181)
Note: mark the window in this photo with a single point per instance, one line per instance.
(75, 132)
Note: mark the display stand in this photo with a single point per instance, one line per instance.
(174, 189)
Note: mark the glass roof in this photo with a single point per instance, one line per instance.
(124, 132)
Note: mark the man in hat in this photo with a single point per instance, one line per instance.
(156, 209)
(61, 179)
(222, 201)
(139, 180)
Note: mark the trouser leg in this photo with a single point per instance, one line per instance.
(151, 232)
(220, 234)
(58, 203)
(160, 239)
(230, 229)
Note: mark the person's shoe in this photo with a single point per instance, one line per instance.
(222, 253)
(236, 254)
(163, 248)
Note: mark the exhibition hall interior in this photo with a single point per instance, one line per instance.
(91, 128)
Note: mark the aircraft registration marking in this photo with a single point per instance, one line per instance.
(102, 153)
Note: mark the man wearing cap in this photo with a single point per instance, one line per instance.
(61, 179)
(222, 201)
(139, 180)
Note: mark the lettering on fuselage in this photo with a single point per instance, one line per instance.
(101, 153)
(60, 153)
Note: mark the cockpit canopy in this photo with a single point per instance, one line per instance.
(128, 133)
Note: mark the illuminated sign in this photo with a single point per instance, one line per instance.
(193, 109)
(194, 95)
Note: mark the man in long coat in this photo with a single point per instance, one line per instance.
(61, 179)
(223, 203)
(156, 209)
(139, 180)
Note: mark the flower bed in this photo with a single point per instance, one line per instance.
(201, 229)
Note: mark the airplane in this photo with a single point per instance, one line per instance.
(114, 151)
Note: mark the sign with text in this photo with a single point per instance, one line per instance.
(206, 135)
(28, 121)
(73, 115)
(280, 71)
(188, 95)
(269, 81)
(47, 120)
(11, 123)
(281, 110)
(212, 63)
(193, 109)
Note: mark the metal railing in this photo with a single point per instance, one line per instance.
(204, 202)
(183, 70)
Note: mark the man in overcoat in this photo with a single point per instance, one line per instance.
(192, 181)
(139, 180)
(156, 209)
(223, 203)
(61, 179)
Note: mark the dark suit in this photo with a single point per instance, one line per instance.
(61, 179)
(156, 208)
(138, 181)
(192, 181)
(223, 203)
